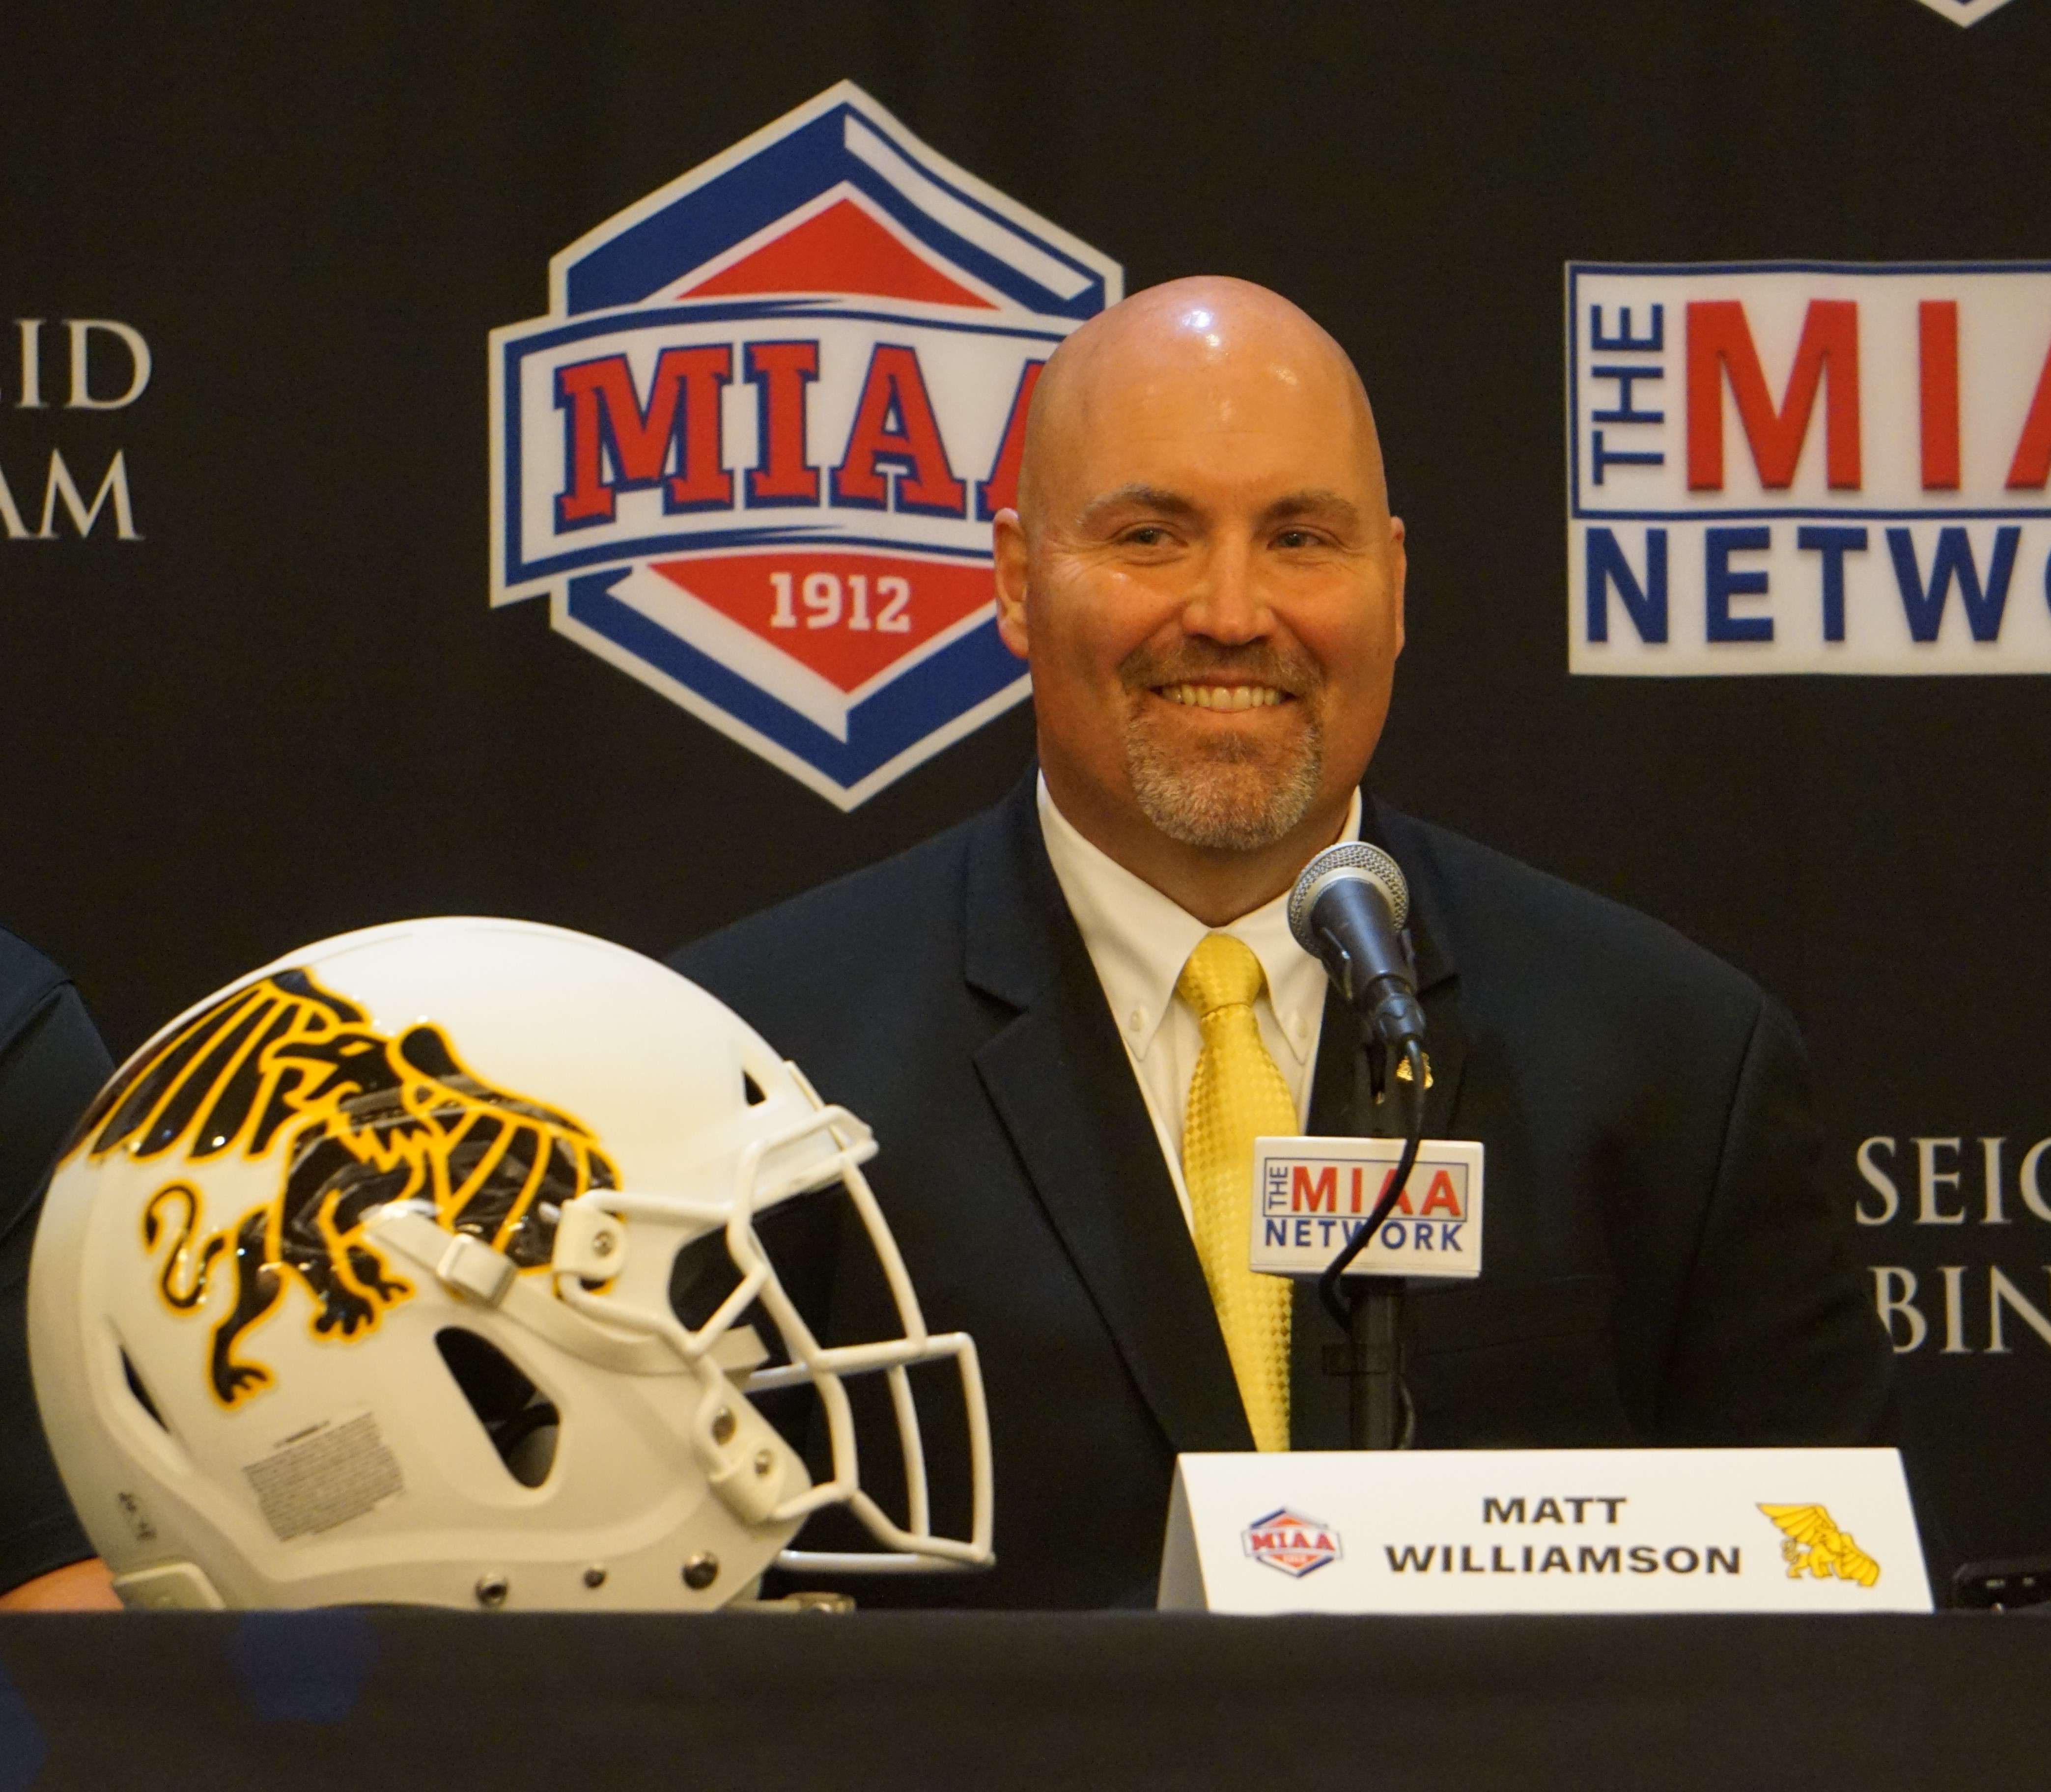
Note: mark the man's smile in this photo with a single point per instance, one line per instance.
(1223, 697)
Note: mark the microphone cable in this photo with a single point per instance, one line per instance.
(1328, 1283)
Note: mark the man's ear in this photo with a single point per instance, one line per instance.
(1008, 546)
(1399, 570)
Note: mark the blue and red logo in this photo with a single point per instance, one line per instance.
(752, 454)
(1965, 12)
(1292, 1542)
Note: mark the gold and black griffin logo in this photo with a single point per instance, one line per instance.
(365, 1119)
(1815, 1546)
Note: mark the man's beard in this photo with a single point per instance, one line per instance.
(1229, 794)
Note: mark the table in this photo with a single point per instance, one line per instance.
(391, 1697)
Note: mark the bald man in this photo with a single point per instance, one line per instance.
(1205, 578)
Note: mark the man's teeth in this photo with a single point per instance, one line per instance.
(1223, 697)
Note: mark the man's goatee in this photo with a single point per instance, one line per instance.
(1230, 799)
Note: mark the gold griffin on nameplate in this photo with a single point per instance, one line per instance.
(1815, 1546)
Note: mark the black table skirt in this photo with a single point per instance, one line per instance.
(388, 1698)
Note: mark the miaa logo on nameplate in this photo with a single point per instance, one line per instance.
(753, 453)
(1292, 1543)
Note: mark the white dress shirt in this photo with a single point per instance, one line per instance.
(1139, 940)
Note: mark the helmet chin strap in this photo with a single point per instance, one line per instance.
(747, 1464)
(471, 1268)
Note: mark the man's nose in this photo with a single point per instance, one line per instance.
(1226, 605)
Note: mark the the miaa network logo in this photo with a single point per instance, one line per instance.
(753, 453)
(1809, 467)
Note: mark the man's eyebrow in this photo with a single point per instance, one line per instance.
(1318, 500)
(1156, 499)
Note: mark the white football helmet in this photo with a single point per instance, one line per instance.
(423, 1266)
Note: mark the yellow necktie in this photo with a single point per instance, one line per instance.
(1237, 1096)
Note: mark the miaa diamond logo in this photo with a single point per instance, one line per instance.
(752, 454)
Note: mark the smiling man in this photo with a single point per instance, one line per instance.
(1067, 1019)
(1205, 578)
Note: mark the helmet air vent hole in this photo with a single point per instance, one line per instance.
(752, 1089)
(521, 1422)
(142, 1393)
(700, 1277)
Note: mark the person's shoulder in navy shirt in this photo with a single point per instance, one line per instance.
(52, 1065)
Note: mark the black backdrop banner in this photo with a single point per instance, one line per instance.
(255, 692)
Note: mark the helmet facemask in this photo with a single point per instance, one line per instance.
(811, 1157)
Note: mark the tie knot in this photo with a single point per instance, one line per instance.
(1223, 972)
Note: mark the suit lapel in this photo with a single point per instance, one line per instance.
(1438, 985)
(1058, 1076)
(1342, 1100)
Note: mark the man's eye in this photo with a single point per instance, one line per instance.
(1146, 535)
(1296, 538)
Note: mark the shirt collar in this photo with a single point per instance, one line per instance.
(1139, 939)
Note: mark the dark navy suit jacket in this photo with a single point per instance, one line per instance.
(1662, 1265)
(52, 1065)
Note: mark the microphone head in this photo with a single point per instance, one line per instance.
(1349, 859)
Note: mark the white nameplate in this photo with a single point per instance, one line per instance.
(1310, 1195)
(1543, 1530)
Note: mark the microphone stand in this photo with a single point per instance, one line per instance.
(1374, 1396)
(1371, 1311)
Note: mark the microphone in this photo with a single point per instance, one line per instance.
(1347, 910)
